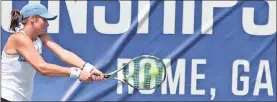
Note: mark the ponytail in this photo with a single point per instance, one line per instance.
(15, 17)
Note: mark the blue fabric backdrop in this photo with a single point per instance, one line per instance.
(228, 42)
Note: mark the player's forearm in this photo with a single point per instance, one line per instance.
(52, 70)
(73, 60)
(76, 61)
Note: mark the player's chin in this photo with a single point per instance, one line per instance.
(41, 31)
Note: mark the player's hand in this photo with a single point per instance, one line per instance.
(85, 77)
(97, 75)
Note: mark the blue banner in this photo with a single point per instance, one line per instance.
(218, 50)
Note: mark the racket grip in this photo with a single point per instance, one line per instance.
(107, 76)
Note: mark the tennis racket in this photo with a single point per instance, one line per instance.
(144, 72)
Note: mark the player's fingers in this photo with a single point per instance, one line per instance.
(90, 78)
(94, 78)
(86, 80)
(97, 78)
(101, 75)
(97, 73)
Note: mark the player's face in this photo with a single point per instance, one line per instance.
(40, 24)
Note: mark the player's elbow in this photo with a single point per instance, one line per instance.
(43, 69)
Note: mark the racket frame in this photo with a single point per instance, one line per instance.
(111, 74)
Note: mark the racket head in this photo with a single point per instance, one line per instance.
(137, 72)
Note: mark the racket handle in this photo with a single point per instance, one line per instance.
(107, 76)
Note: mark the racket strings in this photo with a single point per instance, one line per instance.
(140, 76)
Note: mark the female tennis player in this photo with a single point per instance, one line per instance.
(21, 55)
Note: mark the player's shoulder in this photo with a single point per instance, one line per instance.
(20, 38)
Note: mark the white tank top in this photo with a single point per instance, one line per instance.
(17, 76)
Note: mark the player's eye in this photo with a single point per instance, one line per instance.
(44, 19)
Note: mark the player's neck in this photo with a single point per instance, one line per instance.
(29, 32)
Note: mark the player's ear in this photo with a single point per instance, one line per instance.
(33, 19)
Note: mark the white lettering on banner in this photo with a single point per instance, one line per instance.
(195, 76)
(38, 1)
(244, 79)
(179, 77)
(120, 75)
(208, 14)
(54, 25)
(143, 6)
(5, 15)
(263, 68)
(177, 80)
(79, 19)
(124, 19)
(78, 15)
(251, 28)
(188, 17)
(169, 17)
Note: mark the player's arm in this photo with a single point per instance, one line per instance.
(71, 58)
(65, 55)
(25, 48)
